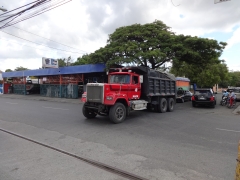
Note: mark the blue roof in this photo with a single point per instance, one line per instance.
(182, 79)
(89, 68)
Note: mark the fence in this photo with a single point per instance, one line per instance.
(18, 89)
(60, 91)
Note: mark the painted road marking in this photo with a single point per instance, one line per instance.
(11, 103)
(227, 130)
(56, 108)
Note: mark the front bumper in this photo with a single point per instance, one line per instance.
(204, 102)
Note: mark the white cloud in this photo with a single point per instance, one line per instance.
(235, 39)
(85, 25)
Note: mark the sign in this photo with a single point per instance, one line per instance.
(219, 1)
(49, 63)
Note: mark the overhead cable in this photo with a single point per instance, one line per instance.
(40, 43)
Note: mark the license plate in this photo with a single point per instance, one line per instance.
(202, 98)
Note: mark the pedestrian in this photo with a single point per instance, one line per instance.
(232, 98)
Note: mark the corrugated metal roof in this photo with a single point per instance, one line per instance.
(182, 79)
(89, 68)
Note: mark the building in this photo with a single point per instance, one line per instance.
(182, 82)
(63, 82)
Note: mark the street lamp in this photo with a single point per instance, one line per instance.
(2, 9)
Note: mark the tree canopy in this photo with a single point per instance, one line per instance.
(65, 62)
(8, 70)
(20, 68)
(154, 45)
(85, 59)
(150, 45)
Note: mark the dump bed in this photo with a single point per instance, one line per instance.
(156, 83)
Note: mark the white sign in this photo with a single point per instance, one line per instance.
(49, 63)
(219, 1)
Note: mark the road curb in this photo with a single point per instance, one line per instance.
(29, 97)
(237, 110)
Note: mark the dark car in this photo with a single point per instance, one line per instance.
(204, 97)
(183, 95)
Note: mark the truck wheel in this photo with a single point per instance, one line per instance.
(88, 114)
(117, 113)
(163, 105)
(170, 105)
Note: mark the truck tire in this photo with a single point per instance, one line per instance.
(88, 114)
(162, 105)
(170, 104)
(117, 113)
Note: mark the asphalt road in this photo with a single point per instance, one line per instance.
(189, 143)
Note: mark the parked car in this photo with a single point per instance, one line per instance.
(204, 97)
(183, 95)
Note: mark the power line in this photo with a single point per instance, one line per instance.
(19, 7)
(41, 11)
(40, 43)
(36, 4)
(48, 39)
(25, 45)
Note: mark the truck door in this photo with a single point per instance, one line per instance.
(135, 87)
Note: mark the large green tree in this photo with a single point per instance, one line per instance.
(198, 59)
(150, 45)
(198, 51)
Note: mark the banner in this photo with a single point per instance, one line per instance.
(219, 1)
(49, 63)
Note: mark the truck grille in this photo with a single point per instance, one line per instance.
(95, 93)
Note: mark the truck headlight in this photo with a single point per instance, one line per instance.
(109, 98)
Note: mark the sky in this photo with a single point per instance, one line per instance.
(85, 25)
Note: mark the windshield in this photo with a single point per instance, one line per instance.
(120, 79)
(203, 92)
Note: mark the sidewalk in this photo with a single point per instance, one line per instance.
(40, 98)
(237, 110)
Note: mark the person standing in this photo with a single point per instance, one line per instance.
(232, 97)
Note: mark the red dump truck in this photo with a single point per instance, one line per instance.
(128, 89)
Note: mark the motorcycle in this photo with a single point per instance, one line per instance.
(224, 101)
